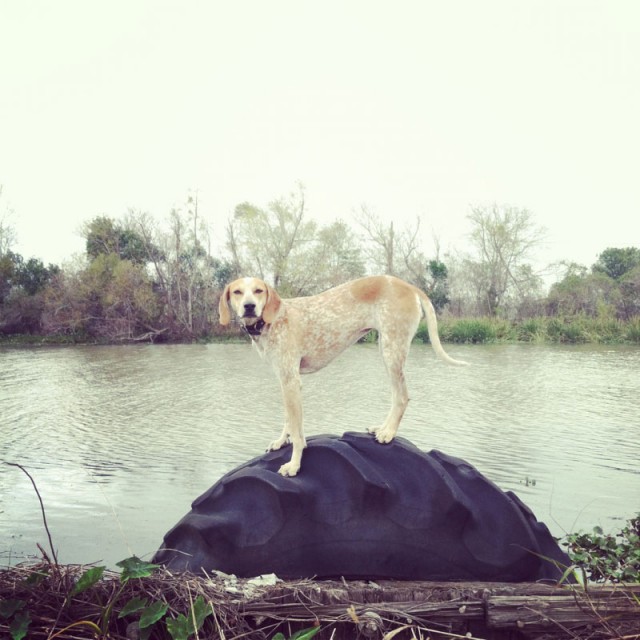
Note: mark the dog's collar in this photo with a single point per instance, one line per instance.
(254, 330)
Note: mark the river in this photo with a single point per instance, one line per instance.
(120, 439)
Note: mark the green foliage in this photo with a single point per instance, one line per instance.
(473, 331)
(615, 263)
(134, 605)
(135, 568)
(612, 288)
(559, 330)
(565, 330)
(303, 634)
(14, 610)
(370, 338)
(439, 289)
(632, 330)
(613, 557)
(105, 236)
(532, 330)
(183, 626)
(20, 625)
(87, 580)
(21, 286)
(110, 298)
(152, 614)
(36, 577)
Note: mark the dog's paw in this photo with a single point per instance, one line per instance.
(289, 470)
(278, 444)
(383, 435)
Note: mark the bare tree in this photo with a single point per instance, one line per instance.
(269, 242)
(392, 251)
(504, 239)
(7, 230)
(183, 266)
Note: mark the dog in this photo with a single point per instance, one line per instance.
(303, 335)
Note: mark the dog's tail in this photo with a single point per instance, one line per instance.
(432, 328)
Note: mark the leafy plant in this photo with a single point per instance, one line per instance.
(183, 626)
(303, 634)
(149, 613)
(15, 611)
(614, 557)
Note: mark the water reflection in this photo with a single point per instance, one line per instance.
(121, 439)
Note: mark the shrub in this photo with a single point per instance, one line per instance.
(632, 333)
(560, 330)
(532, 330)
(607, 331)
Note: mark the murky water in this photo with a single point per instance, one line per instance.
(120, 440)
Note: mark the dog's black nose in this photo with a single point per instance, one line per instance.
(249, 309)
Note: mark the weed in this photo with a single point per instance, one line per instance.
(608, 557)
(473, 331)
(303, 634)
(532, 330)
(632, 332)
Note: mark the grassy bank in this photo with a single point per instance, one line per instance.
(542, 330)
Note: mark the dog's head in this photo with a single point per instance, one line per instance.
(250, 299)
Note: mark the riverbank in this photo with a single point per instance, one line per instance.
(541, 330)
(143, 601)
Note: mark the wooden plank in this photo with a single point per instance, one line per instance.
(538, 612)
(499, 607)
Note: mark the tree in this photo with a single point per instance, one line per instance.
(504, 238)
(581, 292)
(630, 293)
(32, 276)
(7, 230)
(611, 287)
(105, 236)
(108, 298)
(617, 262)
(21, 286)
(279, 244)
(187, 277)
(272, 242)
(438, 288)
(392, 251)
(331, 258)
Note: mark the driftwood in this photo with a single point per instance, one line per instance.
(496, 610)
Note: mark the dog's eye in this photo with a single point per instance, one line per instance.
(237, 292)
(258, 291)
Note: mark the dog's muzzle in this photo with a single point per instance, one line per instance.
(249, 310)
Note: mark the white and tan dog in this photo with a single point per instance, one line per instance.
(302, 335)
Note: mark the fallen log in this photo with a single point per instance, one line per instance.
(487, 610)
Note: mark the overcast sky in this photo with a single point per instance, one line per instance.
(412, 107)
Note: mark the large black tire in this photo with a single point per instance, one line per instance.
(359, 509)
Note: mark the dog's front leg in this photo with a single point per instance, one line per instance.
(292, 396)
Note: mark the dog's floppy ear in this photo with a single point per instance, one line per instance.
(223, 307)
(271, 307)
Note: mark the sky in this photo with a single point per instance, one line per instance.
(413, 108)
